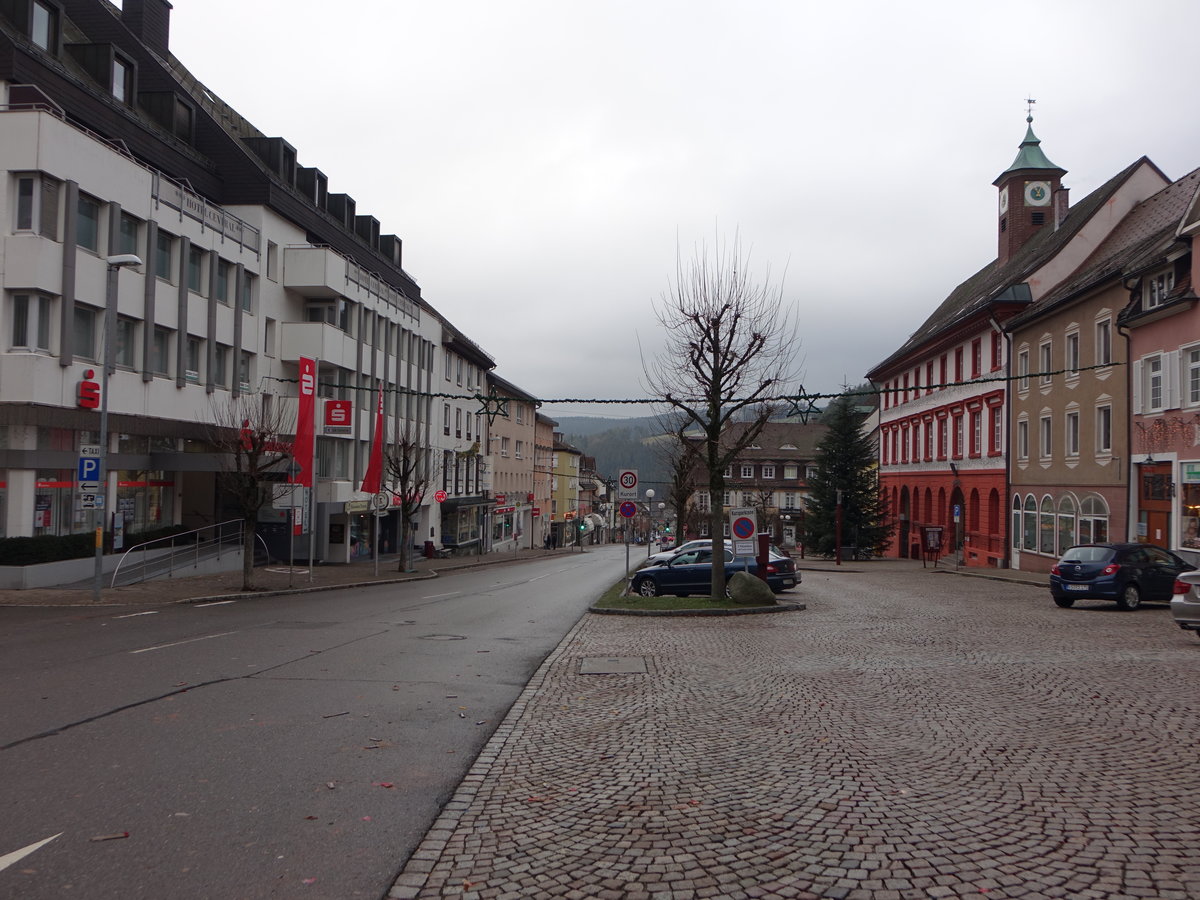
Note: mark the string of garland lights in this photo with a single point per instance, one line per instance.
(801, 403)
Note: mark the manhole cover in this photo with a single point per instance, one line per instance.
(612, 665)
(443, 637)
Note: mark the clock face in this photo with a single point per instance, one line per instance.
(1037, 193)
(1004, 200)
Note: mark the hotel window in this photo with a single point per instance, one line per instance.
(127, 238)
(1071, 437)
(1104, 429)
(1022, 439)
(31, 321)
(1156, 288)
(248, 281)
(84, 324)
(269, 337)
(976, 432)
(1103, 342)
(1045, 437)
(768, 471)
(1023, 370)
(1045, 353)
(195, 349)
(976, 357)
(1072, 351)
(195, 268)
(37, 204)
(164, 244)
(245, 370)
(87, 227)
(458, 425)
(997, 429)
(126, 350)
(43, 26)
(220, 366)
(221, 288)
(160, 352)
(446, 418)
(747, 471)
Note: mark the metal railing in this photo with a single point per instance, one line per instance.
(178, 552)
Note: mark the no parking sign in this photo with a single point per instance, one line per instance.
(743, 528)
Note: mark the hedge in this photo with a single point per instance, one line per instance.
(29, 551)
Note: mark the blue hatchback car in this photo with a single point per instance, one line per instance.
(690, 572)
(1127, 573)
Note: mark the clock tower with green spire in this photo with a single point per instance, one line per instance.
(1031, 195)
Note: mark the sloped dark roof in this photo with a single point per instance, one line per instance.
(804, 436)
(1141, 238)
(990, 285)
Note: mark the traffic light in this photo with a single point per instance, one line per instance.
(581, 526)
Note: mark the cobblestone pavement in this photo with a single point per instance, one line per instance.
(911, 735)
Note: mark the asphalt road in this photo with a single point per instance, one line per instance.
(250, 747)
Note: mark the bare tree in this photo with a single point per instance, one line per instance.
(410, 468)
(729, 351)
(252, 435)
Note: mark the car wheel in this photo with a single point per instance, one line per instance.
(1065, 602)
(647, 588)
(1130, 598)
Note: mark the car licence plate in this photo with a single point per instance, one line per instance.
(1077, 587)
(789, 582)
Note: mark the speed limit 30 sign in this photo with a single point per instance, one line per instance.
(627, 483)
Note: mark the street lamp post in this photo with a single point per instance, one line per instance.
(650, 513)
(115, 263)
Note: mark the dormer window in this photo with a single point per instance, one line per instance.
(1156, 287)
(122, 80)
(43, 26)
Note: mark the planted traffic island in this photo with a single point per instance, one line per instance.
(748, 595)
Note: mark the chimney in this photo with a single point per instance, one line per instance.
(150, 21)
(1062, 205)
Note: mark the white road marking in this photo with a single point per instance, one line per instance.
(435, 596)
(18, 855)
(188, 641)
(540, 577)
(153, 612)
(214, 603)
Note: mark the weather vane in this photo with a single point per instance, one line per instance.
(1029, 109)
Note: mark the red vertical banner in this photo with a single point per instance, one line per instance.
(306, 416)
(374, 474)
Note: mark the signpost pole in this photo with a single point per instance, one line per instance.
(312, 503)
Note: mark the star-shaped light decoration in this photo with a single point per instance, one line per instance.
(492, 405)
(803, 405)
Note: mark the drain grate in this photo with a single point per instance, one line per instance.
(612, 665)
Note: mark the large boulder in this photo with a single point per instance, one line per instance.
(750, 590)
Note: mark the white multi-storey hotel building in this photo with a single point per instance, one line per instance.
(108, 146)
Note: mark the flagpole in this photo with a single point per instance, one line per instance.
(312, 502)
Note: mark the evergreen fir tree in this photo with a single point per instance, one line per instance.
(845, 461)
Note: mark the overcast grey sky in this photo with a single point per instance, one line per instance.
(543, 160)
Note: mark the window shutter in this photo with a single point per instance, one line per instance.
(1137, 388)
(1171, 376)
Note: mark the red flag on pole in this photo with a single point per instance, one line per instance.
(306, 416)
(374, 474)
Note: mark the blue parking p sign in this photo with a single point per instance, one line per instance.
(89, 469)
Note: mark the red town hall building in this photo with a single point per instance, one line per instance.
(943, 433)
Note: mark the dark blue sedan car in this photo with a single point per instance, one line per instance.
(690, 572)
(1127, 573)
